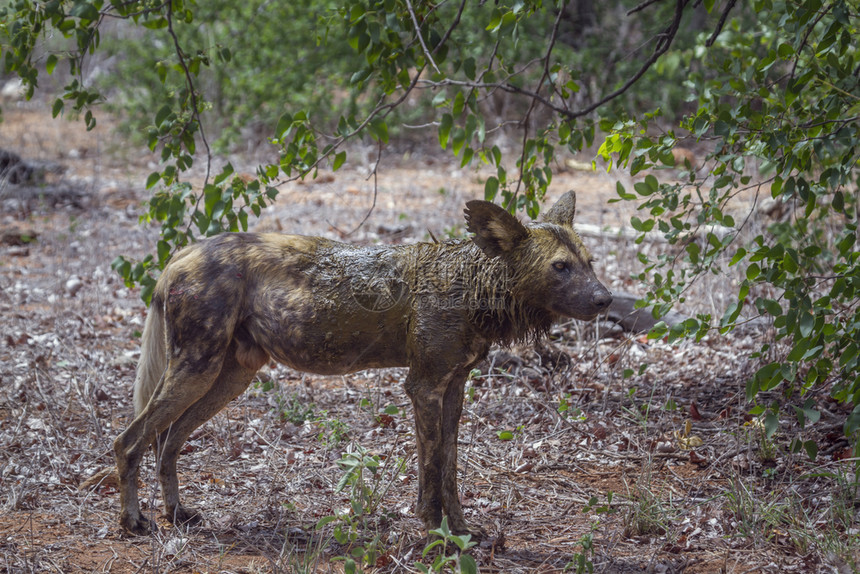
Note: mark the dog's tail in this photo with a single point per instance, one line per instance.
(153, 358)
(150, 368)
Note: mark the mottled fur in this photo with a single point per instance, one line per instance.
(225, 306)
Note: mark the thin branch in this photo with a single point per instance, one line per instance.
(721, 23)
(420, 37)
(191, 90)
(664, 42)
(809, 30)
(195, 112)
(373, 174)
(544, 76)
(552, 40)
(641, 6)
(380, 110)
(453, 25)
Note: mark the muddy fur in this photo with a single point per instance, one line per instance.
(225, 306)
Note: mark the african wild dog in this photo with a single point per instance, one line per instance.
(223, 307)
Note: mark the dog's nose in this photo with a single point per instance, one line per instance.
(601, 298)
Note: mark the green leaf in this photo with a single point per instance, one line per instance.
(658, 331)
(495, 21)
(807, 322)
(459, 104)
(163, 249)
(491, 188)
(693, 250)
(225, 173)
(147, 288)
(211, 197)
(469, 68)
(152, 179)
(57, 107)
(84, 11)
(468, 564)
(811, 448)
(285, 124)
(155, 23)
(771, 424)
(445, 125)
(642, 226)
(338, 161)
(753, 271)
(161, 116)
(379, 130)
(622, 193)
(505, 435)
(852, 423)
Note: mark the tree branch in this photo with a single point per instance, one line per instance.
(192, 92)
(663, 44)
(420, 37)
(453, 25)
(543, 78)
(721, 23)
(641, 6)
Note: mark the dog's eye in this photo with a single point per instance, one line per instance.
(559, 266)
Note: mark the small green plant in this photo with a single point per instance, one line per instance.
(602, 508)
(647, 515)
(305, 560)
(392, 410)
(639, 413)
(761, 433)
(333, 431)
(581, 563)
(264, 386)
(364, 478)
(295, 410)
(459, 562)
(744, 510)
(568, 411)
(510, 434)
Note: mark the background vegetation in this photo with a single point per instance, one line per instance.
(768, 92)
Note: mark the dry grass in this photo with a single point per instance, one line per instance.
(264, 482)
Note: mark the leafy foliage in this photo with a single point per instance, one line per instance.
(780, 97)
(459, 562)
(262, 58)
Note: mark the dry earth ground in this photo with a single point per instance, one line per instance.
(68, 346)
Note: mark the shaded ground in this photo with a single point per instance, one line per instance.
(264, 478)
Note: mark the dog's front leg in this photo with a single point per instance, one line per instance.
(437, 398)
(427, 395)
(452, 408)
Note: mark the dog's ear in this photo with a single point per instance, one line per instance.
(496, 231)
(564, 210)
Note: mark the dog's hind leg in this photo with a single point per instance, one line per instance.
(185, 382)
(233, 379)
